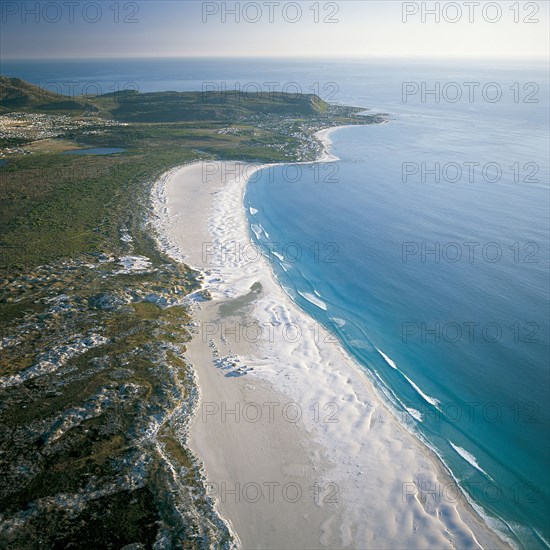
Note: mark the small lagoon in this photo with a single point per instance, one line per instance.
(95, 151)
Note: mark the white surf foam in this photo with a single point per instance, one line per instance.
(313, 300)
(277, 255)
(432, 400)
(470, 458)
(389, 361)
(417, 415)
(257, 230)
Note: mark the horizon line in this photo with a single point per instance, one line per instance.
(285, 57)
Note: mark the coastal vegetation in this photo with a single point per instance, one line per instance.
(95, 391)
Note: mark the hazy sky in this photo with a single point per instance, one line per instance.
(377, 28)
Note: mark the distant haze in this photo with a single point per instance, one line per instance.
(358, 28)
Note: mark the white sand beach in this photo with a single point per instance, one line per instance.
(298, 449)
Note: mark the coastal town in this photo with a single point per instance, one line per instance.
(18, 129)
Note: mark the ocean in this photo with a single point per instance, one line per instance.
(424, 249)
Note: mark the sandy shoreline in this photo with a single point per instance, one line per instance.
(298, 449)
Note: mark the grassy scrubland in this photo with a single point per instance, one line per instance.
(95, 391)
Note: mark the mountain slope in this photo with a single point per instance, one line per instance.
(132, 106)
(19, 95)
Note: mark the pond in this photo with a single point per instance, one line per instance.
(95, 151)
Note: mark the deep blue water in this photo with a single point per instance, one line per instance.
(448, 278)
